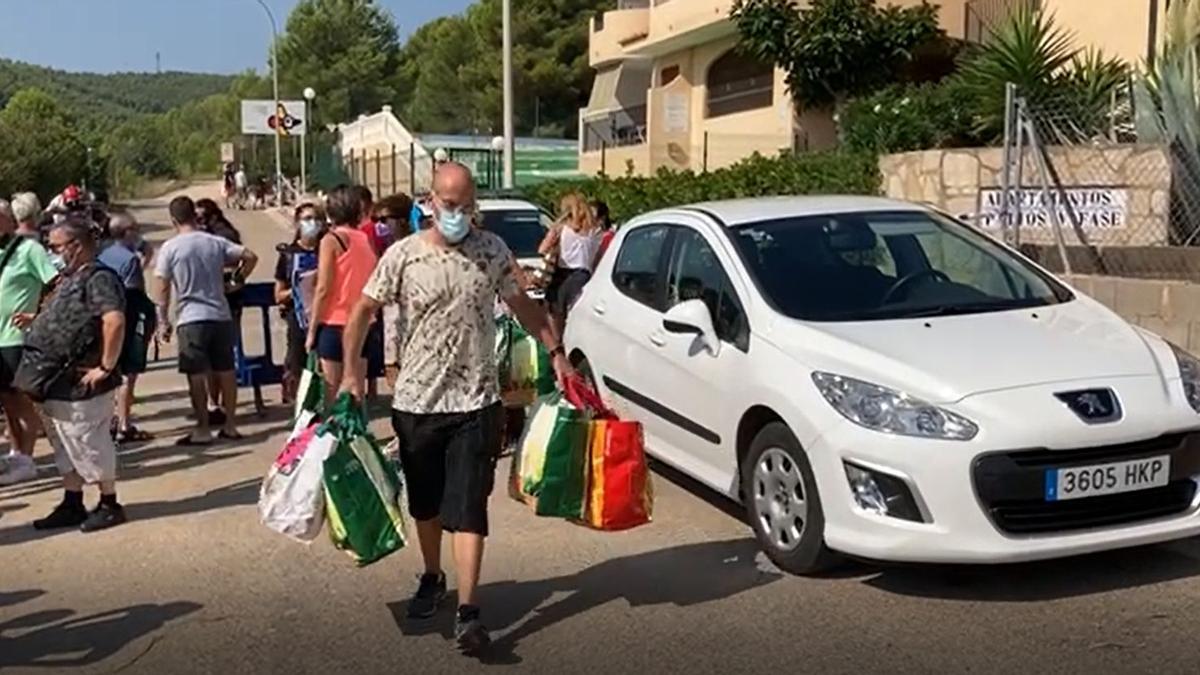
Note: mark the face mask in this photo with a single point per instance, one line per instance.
(453, 225)
(309, 228)
(59, 262)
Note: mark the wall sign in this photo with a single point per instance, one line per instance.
(1098, 208)
(675, 113)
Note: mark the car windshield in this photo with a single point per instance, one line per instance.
(887, 265)
(521, 229)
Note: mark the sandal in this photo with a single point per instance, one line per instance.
(189, 442)
(133, 434)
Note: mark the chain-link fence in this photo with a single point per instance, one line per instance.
(1082, 192)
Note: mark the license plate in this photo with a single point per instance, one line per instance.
(1107, 479)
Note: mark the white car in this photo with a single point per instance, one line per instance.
(876, 379)
(522, 225)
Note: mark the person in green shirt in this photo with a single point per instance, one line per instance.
(26, 271)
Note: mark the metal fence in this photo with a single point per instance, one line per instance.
(1085, 190)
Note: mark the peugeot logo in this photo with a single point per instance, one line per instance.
(1093, 406)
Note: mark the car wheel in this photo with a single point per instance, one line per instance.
(783, 503)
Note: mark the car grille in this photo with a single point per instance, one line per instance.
(1010, 486)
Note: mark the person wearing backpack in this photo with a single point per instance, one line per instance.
(26, 272)
(71, 365)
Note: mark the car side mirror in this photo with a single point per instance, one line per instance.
(691, 317)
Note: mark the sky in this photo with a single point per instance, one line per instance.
(211, 36)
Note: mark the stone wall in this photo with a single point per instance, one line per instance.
(1169, 308)
(964, 181)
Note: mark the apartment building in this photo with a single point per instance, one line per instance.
(671, 90)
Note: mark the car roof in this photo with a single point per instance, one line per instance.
(734, 212)
(506, 204)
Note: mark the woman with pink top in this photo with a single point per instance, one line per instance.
(345, 261)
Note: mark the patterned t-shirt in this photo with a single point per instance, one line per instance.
(445, 325)
(68, 333)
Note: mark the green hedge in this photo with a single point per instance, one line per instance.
(903, 118)
(757, 176)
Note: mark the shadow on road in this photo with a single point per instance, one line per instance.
(237, 494)
(9, 598)
(1040, 581)
(53, 639)
(682, 576)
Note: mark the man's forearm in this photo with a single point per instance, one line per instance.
(536, 322)
(113, 332)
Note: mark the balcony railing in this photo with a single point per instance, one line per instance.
(633, 4)
(616, 129)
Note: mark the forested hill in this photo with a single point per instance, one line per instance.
(107, 100)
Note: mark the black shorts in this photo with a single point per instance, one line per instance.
(449, 465)
(296, 358)
(206, 347)
(10, 358)
(564, 289)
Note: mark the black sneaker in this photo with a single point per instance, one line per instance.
(469, 631)
(103, 517)
(430, 593)
(64, 515)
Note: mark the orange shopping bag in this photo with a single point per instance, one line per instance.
(620, 495)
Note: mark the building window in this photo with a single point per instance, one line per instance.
(737, 83)
(667, 75)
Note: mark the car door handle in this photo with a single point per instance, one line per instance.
(658, 339)
(599, 309)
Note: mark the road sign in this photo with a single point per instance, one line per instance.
(263, 118)
(227, 152)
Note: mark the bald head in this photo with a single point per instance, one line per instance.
(124, 229)
(121, 224)
(454, 186)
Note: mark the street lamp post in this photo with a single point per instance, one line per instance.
(275, 86)
(309, 95)
(508, 96)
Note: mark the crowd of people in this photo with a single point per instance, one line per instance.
(406, 289)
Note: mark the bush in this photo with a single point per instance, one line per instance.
(757, 176)
(905, 118)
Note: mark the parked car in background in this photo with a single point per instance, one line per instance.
(522, 225)
(874, 378)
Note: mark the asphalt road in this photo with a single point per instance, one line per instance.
(194, 584)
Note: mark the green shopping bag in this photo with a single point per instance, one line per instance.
(362, 489)
(523, 364)
(310, 393)
(563, 486)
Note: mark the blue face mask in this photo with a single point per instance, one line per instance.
(59, 262)
(310, 228)
(453, 225)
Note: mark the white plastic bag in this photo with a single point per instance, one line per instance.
(292, 498)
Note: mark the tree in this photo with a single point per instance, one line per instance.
(1055, 77)
(836, 49)
(347, 50)
(41, 150)
(450, 76)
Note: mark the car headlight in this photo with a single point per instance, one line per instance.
(1189, 374)
(892, 412)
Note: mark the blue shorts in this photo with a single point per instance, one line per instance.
(329, 344)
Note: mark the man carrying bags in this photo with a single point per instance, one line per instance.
(446, 410)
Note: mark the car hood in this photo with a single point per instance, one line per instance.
(946, 359)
